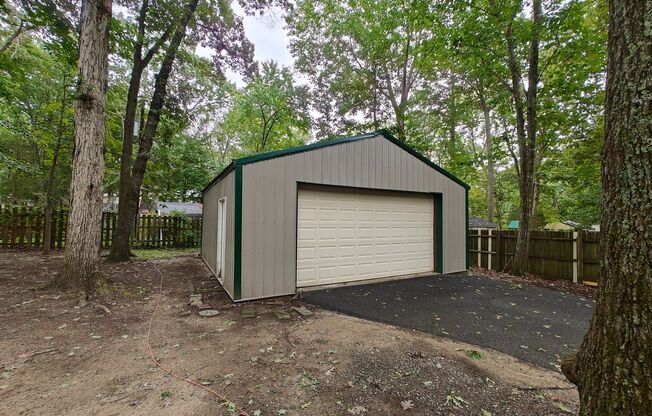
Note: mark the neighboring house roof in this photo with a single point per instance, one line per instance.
(293, 150)
(557, 226)
(513, 224)
(573, 224)
(189, 208)
(477, 222)
(109, 207)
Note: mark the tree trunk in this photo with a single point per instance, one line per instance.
(10, 40)
(488, 149)
(120, 241)
(128, 203)
(400, 126)
(82, 255)
(526, 136)
(130, 189)
(49, 184)
(613, 368)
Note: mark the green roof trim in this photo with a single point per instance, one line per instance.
(325, 143)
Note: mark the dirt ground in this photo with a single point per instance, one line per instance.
(59, 356)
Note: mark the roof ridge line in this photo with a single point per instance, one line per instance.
(325, 143)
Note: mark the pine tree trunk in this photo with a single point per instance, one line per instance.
(613, 368)
(82, 254)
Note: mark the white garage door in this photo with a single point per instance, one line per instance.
(344, 236)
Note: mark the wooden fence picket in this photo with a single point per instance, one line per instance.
(558, 255)
(23, 227)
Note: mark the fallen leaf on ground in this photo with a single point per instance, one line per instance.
(407, 404)
(564, 408)
(457, 401)
(357, 410)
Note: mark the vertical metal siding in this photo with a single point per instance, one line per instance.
(269, 205)
(223, 188)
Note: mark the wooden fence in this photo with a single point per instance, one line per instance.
(559, 255)
(23, 227)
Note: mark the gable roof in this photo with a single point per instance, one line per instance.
(513, 225)
(477, 222)
(190, 208)
(326, 143)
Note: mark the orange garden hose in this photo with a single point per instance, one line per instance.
(241, 411)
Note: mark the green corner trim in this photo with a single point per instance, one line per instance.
(237, 244)
(439, 234)
(468, 234)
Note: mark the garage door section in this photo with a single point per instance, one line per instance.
(345, 236)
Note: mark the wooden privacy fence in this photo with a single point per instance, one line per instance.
(23, 227)
(558, 255)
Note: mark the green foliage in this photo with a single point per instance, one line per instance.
(156, 254)
(473, 354)
(36, 93)
(269, 113)
(425, 70)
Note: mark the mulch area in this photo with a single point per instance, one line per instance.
(565, 286)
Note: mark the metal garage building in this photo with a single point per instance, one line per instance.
(337, 212)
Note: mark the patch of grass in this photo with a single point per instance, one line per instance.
(230, 407)
(154, 254)
(308, 380)
(473, 354)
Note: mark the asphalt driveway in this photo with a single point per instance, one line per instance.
(535, 324)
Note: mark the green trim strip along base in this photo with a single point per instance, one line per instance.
(439, 233)
(237, 245)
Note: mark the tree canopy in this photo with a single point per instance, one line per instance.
(436, 74)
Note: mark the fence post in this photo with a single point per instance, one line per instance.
(580, 256)
(479, 248)
(489, 249)
(575, 237)
(499, 251)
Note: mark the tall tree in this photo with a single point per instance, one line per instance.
(131, 177)
(214, 25)
(613, 368)
(82, 254)
(366, 58)
(526, 129)
(488, 148)
(270, 112)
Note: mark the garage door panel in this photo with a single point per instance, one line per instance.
(344, 236)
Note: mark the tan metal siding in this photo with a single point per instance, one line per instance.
(224, 188)
(269, 198)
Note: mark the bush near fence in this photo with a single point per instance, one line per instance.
(556, 255)
(23, 227)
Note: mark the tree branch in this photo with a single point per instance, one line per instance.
(21, 28)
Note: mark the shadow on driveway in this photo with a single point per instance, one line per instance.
(535, 324)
